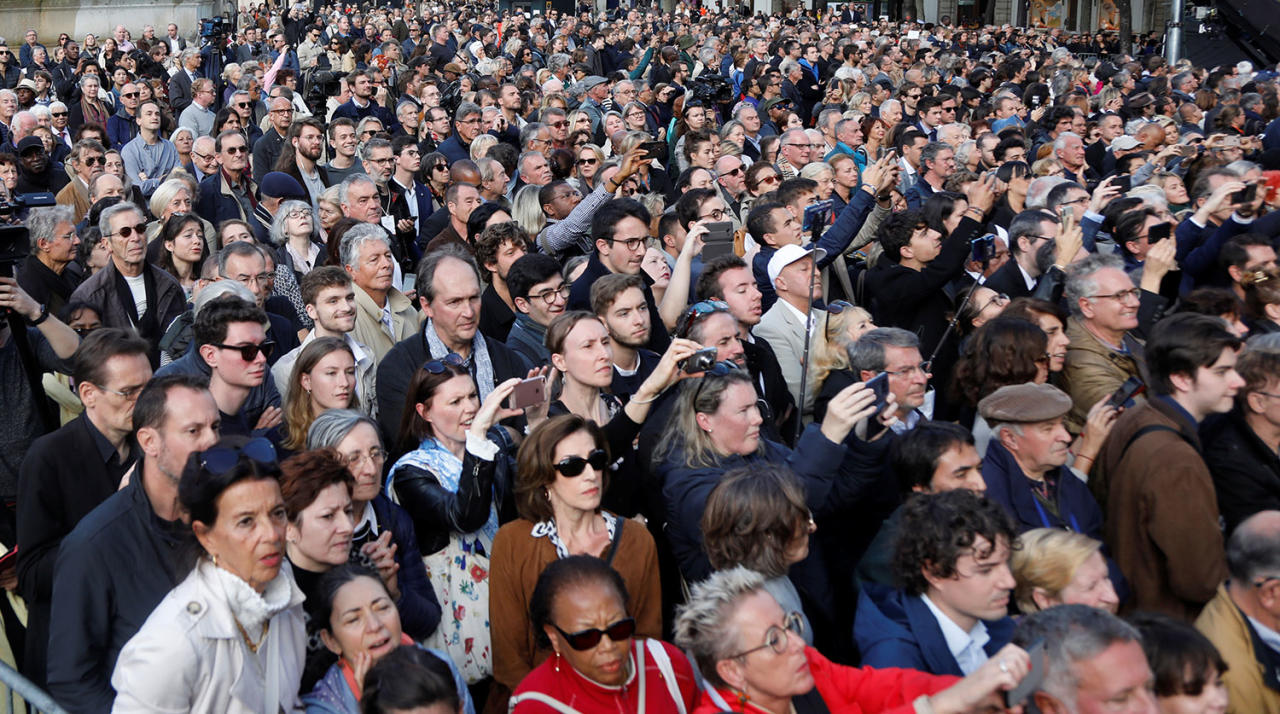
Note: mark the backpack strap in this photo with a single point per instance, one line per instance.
(1150, 428)
(663, 662)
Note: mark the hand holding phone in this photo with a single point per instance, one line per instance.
(879, 385)
(529, 393)
(1127, 391)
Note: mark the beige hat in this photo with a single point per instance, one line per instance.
(1024, 404)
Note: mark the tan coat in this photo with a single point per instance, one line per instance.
(1225, 626)
(1094, 370)
(369, 329)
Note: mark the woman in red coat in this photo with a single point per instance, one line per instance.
(755, 660)
(579, 610)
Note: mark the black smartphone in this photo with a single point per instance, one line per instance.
(1123, 181)
(654, 149)
(718, 241)
(1127, 391)
(879, 385)
(1030, 683)
(1158, 232)
(528, 393)
(1245, 195)
(983, 249)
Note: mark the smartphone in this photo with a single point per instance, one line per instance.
(1030, 683)
(983, 249)
(879, 385)
(1065, 214)
(654, 149)
(1123, 181)
(718, 241)
(817, 215)
(1158, 233)
(529, 393)
(1245, 195)
(1035, 100)
(1127, 391)
(409, 282)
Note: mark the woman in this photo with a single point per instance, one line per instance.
(110, 54)
(323, 378)
(1016, 175)
(762, 178)
(846, 178)
(734, 133)
(329, 211)
(562, 474)
(361, 625)
(527, 211)
(844, 324)
(1175, 190)
(635, 117)
(297, 251)
(231, 493)
(769, 148)
(234, 230)
(579, 121)
(650, 177)
(979, 305)
(821, 174)
(654, 264)
(715, 426)
(1051, 321)
(183, 139)
(580, 610)
(411, 679)
(754, 659)
(434, 174)
(1188, 669)
(587, 165)
(114, 165)
(90, 109)
(1000, 352)
(874, 131)
(176, 197)
(182, 250)
(1054, 566)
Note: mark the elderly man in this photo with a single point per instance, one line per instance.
(1070, 152)
(88, 157)
(937, 163)
(1092, 661)
(268, 148)
(154, 298)
(384, 316)
(467, 126)
(791, 322)
(1243, 618)
(229, 193)
(534, 169)
(794, 153)
(182, 83)
(731, 175)
(123, 125)
(204, 158)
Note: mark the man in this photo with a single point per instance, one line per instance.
(306, 141)
(1025, 464)
(330, 301)
(148, 158)
(88, 157)
(929, 109)
(619, 301)
(510, 104)
(128, 292)
(1242, 449)
(449, 294)
(311, 48)
(204, 158)
(37, 172)
(182, 83)
(123, 125)
(619, 229)
(1093, 660)
(100, 596)
(534, 169)
(410, 201)
(175, 42)
(384, 316)
(791, 322)
(342, 162)
(267, 149)
(731, 176)
(467, 126)
(540, 294)
(245, 262)
(1099, 155)
(749, 116)
(937, 163)
(460, 199)
(1162, 521)
(1034, 248)
(66, 474)
(26, 53)
(910, 145)
(932, 458)
(362, 103)
(496, 248)
(951, 613)
(793, 153)
(230, 193)
(1069, 150)
(198, 115)
(54, 243)
(493, 179)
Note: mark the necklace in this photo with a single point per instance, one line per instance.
(253, 646)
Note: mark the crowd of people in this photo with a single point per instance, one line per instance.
(462, 359)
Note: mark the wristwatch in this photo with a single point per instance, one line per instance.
(44, 315)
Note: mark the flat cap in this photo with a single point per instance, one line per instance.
(592, 82)
(1024, 404)
(454, 68)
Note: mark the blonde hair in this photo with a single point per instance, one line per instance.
(1047, 559)
(481, 145)
(832, 351)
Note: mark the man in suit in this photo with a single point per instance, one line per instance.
(1033, 250)
(937, 163)
(410, 201)
(951, 614)
(790, 322)
(175, 42)
(180, 95)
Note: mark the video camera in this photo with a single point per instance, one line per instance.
(320, 85)
(212, 28)
(712, 89)
(25, 200)
(15, 242)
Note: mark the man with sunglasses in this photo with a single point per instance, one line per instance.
(87, 161)
(122, 126)
(131, 293)
(230, 193)
(731, 176)
(100, 596)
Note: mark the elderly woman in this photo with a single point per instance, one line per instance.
(753, 656)
(361, 625)
(173, 197)
(581, 611)
(330, 211)
(822, 174)
(297, 252)
(843, 325)
(183, 138)
(90, 109)
(1054, 566)
(255, 655)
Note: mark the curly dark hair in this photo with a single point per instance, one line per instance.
(936, 529)
(1004, 351)
(896, 230)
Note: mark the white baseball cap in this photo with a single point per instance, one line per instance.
(788, 254)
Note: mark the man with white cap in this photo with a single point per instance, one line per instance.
(785, 326)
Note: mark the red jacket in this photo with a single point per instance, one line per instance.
(583, 695)
(851, 690)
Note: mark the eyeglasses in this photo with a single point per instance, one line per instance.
(249, 352)
(242, 105)
(126, 231)
(300, 213)
(1121, 296)
(129, 394)
(922, 368)
(94, 161)
(997, 299)
(130, 95)
(387, 160)
(696, 312)
(437, 366)
(771, 178)
(732, 172)
(586, 639)
(221, 459)
(377, 455)
(775, 638)
(58, 114)
(586, 162)
(716, 215)
(282, 111)
(573, 466)
(630, 243)
(552, 295)
(235, 150)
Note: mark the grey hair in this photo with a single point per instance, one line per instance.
(165, 192)
(701, 623)
(1061, 82)
(530, 131)
(276, 234)
(188, 54)
(1253, 550)
(466, 109)
(42, 221)
(1071, 633)
(794, 133)
(525, 155)
(1060, 143)
(181, 130)
(221, 288)
(1081, 277)
(1038, 190)
(242, 248)
(356, 237)
(366, 149)
(83, 79)
(885, 105)
(332, 426)
(931, 150)
(1243, 166)
(40, 111)
(557, 61)
(350, 181)
(104, 220)
(366, 122)
(868, 352)
(787, 65)
(486, 166)
(426, 284)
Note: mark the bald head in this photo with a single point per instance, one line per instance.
(1151, 136)
(1253, 550)
(465, 171)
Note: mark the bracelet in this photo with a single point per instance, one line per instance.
(644, 401)
(44, 315)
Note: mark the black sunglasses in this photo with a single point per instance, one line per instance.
(221, 459)
(572, 466)
(249, 352)
(126, 231)
(437, 366)
(586, 639)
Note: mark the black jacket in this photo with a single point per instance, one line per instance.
(1246, 472)
(580, 299)
(780, 424)
(100, 599)
(1008, 280)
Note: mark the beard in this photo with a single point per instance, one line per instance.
(627, 342)
(1045, 256)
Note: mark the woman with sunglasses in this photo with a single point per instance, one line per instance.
(586, 167)
(562, 474)
(754, 659)
(360, 624)
(232, 635)
(580, 610)
(434, 174)
(844, 324)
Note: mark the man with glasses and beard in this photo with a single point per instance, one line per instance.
(300, 156)
(1033, 249)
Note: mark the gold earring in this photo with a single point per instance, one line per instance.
(215, 560)
(557, 660)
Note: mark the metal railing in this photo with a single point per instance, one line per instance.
(35, 698)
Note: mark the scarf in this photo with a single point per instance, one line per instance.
(479, 364)
(433, 457)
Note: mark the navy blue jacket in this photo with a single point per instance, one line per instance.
(260, 397)
(419, 609)
(452, 149)
(349, 110)
(1008, 486)
(894, 629)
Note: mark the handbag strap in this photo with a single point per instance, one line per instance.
(617, 538)
(543, 698)
(663, 661)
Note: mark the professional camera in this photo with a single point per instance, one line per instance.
(212, 28)
(712, 89)
(451, 97)
(25, 200)
(320, 85)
